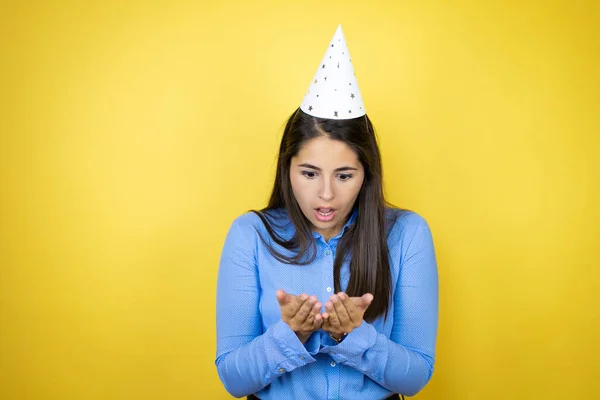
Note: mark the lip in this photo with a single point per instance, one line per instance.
(325, 218)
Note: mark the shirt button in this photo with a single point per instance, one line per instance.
(281, 370)
(302, 358)
(329, 289)
(327, 252)
(332, 364)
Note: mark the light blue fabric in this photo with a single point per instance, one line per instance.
(258, 353)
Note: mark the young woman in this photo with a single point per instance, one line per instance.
(328, 292)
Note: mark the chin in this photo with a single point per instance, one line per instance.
(325, 225)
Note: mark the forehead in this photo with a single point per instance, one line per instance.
(325, 151)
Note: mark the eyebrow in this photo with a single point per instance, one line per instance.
(306, 165)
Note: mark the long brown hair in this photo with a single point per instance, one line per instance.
(365, 240)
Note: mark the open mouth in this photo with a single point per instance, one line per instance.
(325, 214)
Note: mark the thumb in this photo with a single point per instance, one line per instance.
(366, 298)
(281, 297)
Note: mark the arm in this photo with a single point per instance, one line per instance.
(248, 359)
(403, 363)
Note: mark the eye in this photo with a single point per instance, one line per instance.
(309, 174)
(344, 177)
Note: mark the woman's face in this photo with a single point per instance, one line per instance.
(326, 178)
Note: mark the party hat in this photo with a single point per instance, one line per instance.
(333, 93)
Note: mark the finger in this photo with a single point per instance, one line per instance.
(281, 294)
(289, 306)
(315, 318)
(325, 317)
(325, 324)
(308, 322)
(363, 302)
(304, 311)
(314, 304)
(318, 322)
(366, 298)
(332, 316)
(293, 304)
(353, 314)
(285, 298)
(315, 307)
(341, 312)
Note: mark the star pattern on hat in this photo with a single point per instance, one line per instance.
(334, 86)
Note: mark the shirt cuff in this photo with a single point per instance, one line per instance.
(292, 353)
(351, 349)
(313, 344)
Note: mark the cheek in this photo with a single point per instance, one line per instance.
(296, 184)
(300, 189)
(355, 189)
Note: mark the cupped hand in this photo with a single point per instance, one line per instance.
(343, 314)
(301, 313)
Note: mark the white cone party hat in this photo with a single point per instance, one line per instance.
(333, 92)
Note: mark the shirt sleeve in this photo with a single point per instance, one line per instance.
(247, 358)
(404, 362)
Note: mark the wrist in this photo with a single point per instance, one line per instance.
(303, 336)
(337, 337)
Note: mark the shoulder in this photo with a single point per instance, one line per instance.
(254, 221)
(247, 220)
(401, 218)
(403, 225)
(245, 226)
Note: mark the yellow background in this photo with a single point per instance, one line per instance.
(132, 133)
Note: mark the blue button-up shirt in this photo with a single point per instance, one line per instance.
(258, 353)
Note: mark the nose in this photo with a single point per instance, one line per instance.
(326, 193)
